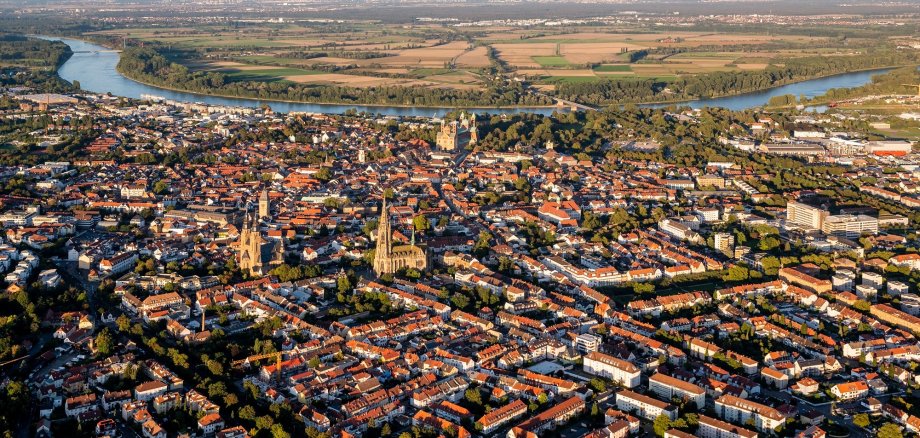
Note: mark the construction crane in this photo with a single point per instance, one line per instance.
(913, 85)
(255, 357)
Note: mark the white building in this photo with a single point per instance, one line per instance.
(618, 370)
(644, 406)
(738, 410)
(842, 282)
(667, 387)
(714, 428)
(679, 230)
(805, 216)
(897, 288)
(587, 343)
(850, 226)
(724, 243)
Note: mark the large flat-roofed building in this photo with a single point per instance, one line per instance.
(805, 216)
(793, 149)
(667, 387)
(889, 147)
(710, 180)
(618, 370)
(849, 225)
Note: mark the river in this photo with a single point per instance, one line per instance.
(94, 67)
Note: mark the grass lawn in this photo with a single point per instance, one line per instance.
(550, 61)
(613, 68)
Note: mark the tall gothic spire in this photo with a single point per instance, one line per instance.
(383, 230)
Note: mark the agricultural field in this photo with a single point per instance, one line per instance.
(363, 54)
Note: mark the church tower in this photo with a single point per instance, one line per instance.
(264, 205)
(382, 251)
(255, 254)
(388, 259)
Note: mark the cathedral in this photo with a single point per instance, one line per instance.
(388, 258)
(458, 134)
(255, 255)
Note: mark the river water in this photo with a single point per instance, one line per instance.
(94, 67)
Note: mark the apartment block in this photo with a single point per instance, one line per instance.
(667, 387)
(644, 406)
(618, 370)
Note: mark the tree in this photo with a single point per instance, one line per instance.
(343, 284)
(890, 430)
(264, 422)
(861, 305)
(421, 223)
(482, 244)
(160, 187)
(591, 221)
(123, 323)
(279, 432)
(324, 174)
(104, 342)
(217, 389)
(861, 420)
(661, 425)
(473, 396)
(768, 243)
(215, 367)
(770, 265)
(598, 385)
(247, 413)
(521, 184)
(736, 273)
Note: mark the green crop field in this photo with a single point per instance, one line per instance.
(550, 61)
(610, 68)
(271, 74)
(572, 79)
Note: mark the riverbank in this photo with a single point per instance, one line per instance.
(654, 104)
(312, 102)
(879, 70)
(96, 68)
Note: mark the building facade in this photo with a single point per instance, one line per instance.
(255, 254)
(458, 134)
(849, 226)
(618, 370)
(805, 215)
(667, 387)
(644, 406)
(738, 410)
